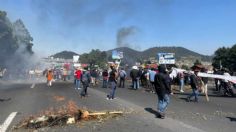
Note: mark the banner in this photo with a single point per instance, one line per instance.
(76, 58)
(228, 78)
(166, 58)
(117, 55)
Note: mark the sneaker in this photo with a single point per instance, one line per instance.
(181, 91)
(162, 115)
(108, 98)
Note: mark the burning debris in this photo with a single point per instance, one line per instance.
(59, 98)
(68, 114)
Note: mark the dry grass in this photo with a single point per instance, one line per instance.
(59, 117)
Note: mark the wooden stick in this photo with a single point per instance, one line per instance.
(104, 113)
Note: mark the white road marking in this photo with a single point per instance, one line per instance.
(7, 122)
(33, 85)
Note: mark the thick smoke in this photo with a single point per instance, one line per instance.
(16, 53)
(123, 36)
(73, 13)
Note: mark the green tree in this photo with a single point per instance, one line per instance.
(95, 57)
(221, 58)
(185, 67)
(197, 62)
(232, 58)
(23, 36)
(225, 57)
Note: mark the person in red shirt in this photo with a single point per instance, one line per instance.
(78, 74)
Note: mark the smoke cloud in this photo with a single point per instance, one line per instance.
(16, 53)
(124, 35)
(73, 13)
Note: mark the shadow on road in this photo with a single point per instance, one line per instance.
(8, 99)
(152, 111)
(201, 94)
(232, 119)
(185, 99)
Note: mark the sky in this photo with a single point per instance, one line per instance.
(202, 26)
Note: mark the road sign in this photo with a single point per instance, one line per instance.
(117, 55)
(166, 58)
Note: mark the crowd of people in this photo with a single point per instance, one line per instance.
(154, 80)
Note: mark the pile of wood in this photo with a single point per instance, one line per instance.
(69, 114)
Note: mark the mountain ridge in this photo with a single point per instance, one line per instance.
(131, 56)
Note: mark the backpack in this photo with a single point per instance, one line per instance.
(122, 74)
(85, 77)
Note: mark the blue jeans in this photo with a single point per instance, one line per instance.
(104, 84)
(195, 94)
(162, 103)
(77, 83)
(136, 83)
(113, 90)
(84, 89)
(181, 82)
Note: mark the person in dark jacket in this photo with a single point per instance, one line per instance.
(113, 81)
(163, 90)
(105, 78)
(85, 79)
(134, 74)
(194, 82)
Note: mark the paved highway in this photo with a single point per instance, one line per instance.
(218, 115)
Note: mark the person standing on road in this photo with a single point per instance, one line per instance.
(105, 78)
(78, 74)
(113, 82)
(163, 90)
(85, 79)
(134, 75)
(152, 74)
(122, 75)
(49, 76)
(181, 81)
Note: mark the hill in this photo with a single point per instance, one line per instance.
(64, 55)
(131, 56)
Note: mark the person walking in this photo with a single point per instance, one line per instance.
(163, 90)
(78, 74)
(122, 75)
(113, 82)
(194, 82)
(49, 78)
(85, 80)
(152, 74)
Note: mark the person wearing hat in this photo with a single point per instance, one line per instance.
(194, 82)
(134, 74)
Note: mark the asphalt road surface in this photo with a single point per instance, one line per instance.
(217, 115)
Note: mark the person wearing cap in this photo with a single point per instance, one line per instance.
(163, 90)
(194, 82)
